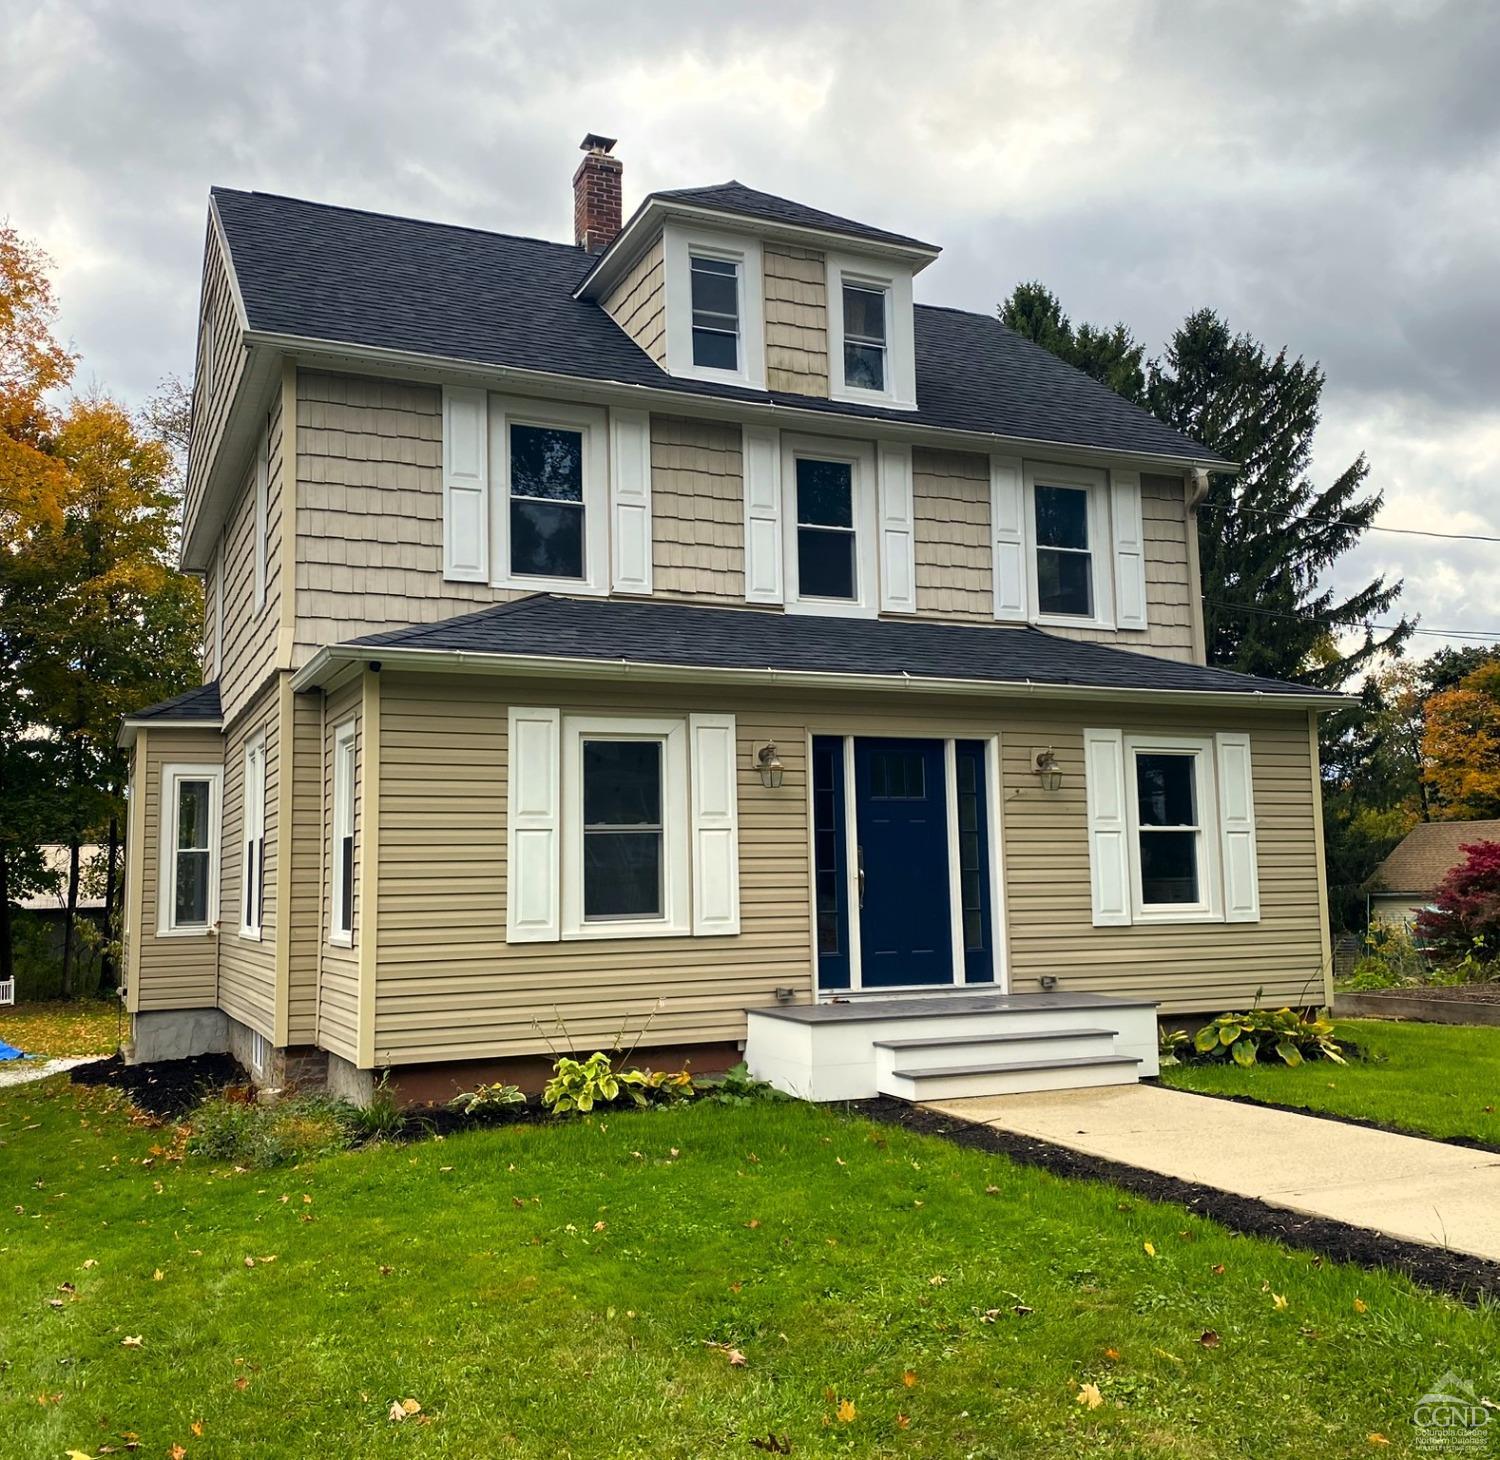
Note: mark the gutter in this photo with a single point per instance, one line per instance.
(329, 660)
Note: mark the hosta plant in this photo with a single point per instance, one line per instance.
(485, 1098)
(583, 1084)
(1264, 1036)
(1173, 1046)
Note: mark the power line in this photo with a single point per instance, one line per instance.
(1357, 526)
(1480, 635)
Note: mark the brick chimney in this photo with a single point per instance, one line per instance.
(596, 195)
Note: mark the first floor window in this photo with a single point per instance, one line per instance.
(827, 565)
(623, 833)
(716, 312)
(190, 818)
(546, 502)
(1064, 554)
(254, 837)
(343, 832)
(864, 336)
(1169, 831)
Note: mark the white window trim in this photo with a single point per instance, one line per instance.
(345, 769)
(254, 746)
(900, 348)
(679, 243)
(1101, 543)
(262, 524)
(676, 916)
(592, 421)
(861, 457)
(1210, 907)
(171, 774)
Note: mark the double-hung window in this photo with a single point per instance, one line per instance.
(1064, 551)
(546, 502)
(343, 833)
(831, 549)
(1173, 827)
(865, 336)
(190, 821)
(253, 839)
(716, 312)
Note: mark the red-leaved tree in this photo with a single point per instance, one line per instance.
(1466, 907)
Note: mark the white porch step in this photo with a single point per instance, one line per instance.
(1009, 1047)
(1010, 1077)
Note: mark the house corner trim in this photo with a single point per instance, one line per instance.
(369, 865)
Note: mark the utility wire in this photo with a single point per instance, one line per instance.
(1480, 635)
(1345, 522)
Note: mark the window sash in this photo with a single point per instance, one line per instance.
(186, 860)
(1199, 829)
(654, 829)
(343, 831)
(708, 320)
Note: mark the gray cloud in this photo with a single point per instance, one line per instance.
(1323, 174)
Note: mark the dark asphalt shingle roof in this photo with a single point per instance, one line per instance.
(201, 703)
(735, 197)
(611, 630)
(343, 276)
(1428, 852)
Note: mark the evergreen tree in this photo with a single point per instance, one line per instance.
(1110, 356)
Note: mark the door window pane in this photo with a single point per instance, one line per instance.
(716, 313)
(864, 337)
(825, 529)
(546, 506)
(897, 775)
(622, 829)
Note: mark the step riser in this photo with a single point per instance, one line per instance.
(957, 1087)
(947, 1056)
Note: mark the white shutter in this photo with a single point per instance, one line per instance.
(1130, 549)
(466, 490)
(715, 813)
(898, 584)
(1237, 828)
(762, 467)
(1008, 530)
(630, 495)
(532, 843)
(1109, 826)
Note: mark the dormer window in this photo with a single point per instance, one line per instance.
(716, 312)
(864, 336)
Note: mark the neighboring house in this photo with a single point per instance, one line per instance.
(681, 620)
(40, 928)
(1402, 885)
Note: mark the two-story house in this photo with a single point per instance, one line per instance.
(682, 623)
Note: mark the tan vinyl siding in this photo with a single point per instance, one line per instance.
(306, 853)
(247, 966)
(250, 632)
(179, 972)
(338, 967)
(796, 285)
(216, 374)
(449, 986)
(697, 510)
(951, 520)
(638, 303)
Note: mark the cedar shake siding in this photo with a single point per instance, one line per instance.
(796, 320)
(638, 303)
(697, 510)
(216, 374)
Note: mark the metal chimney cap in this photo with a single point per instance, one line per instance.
(595, 143)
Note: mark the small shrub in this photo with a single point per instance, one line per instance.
(737, 1086)
(583, 1084)
(1463, 924)
(1391, 959)
(382, 1119)
(1263, 1036)
(487, 1099)
(260, 1137)
(1173, 1046)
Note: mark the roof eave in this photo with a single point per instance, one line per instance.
(131, 726)
(654, 211)
(452, 369)
(336, 658)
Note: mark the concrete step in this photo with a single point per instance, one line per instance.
(1009, 1077)
(1008, 1047)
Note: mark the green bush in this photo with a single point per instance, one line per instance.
(485, 1099)
(382, 1119)
(583, 1084)
(259, 1137)
(1391, 959)
(1261, 1036)
(1174, 1047)
(737, 1086)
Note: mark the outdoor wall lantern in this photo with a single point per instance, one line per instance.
(769, 763)
(1047, 770)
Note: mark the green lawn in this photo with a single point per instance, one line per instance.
(62, 1027)
(576, 1289)
(1430, 1079)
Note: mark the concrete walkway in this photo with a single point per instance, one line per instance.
(1421, 1191)
(23, 1072)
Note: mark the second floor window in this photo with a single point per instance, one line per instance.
(827, 561)
(343, 833)
(864, 337)
(1064, 551)
(254, 838)
(716, 312)
(546, 502)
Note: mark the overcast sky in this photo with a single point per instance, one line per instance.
(1326, 175)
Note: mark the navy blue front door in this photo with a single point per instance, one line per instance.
(906, 909)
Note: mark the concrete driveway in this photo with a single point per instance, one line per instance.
(1418, 1190)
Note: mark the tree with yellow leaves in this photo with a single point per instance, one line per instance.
(1461, 746)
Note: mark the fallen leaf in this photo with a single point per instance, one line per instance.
(1021, 1310)
(753, 1223)
(936, 1280)
(909, 1379)
(1376, 1438)
(598, 1226)
(1208, 1338)
(1217, 1269)
(1360, 1306)
(989, 1315)
(445, 1168)
(89, 1262)
(1278, 1302)
(903, 1421)
(395, 1412)
(249, 1262)
(157, 1276)
(66, 1288)
(78, 1455)
(1150, 1249)
(386, 1271)
(1112, 1354)
(846, 1411)
(242, 1384)
(1089, 1394)
(177, 1452)
(773, 1444)
(411, 1406)
(134, 1342)
(992, 1191)
(197, 1428)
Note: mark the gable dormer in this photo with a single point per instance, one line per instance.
(737, 287)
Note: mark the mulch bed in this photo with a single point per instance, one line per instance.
(166, 1089)
(1455, 1274)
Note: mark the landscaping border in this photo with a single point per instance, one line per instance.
(1469, 1143)
(1423, 1008)
(1454, 1274)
